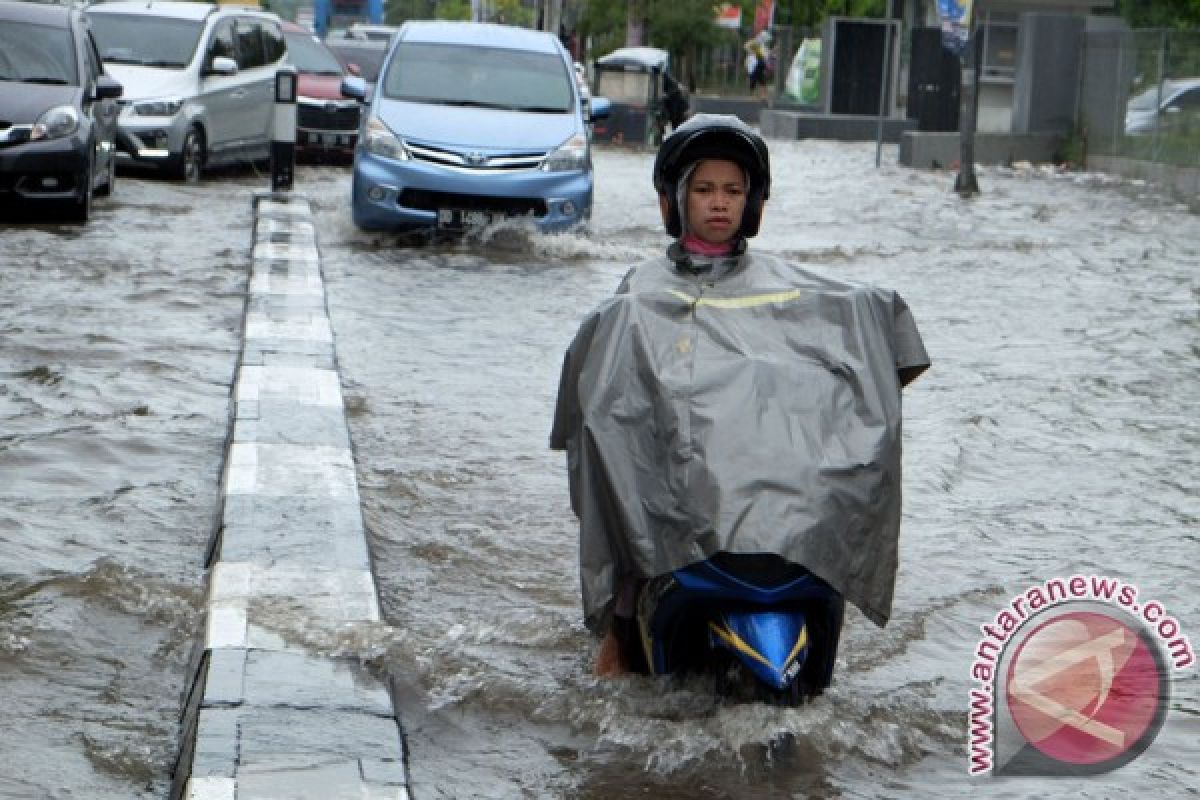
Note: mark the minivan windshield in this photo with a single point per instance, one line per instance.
(36, 54)
(488, 77)
(146, 40)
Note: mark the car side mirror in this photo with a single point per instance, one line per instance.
(355, 87)
(107, 88)
(601, 108)
(222, 65)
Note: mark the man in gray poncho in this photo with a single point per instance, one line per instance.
(729, 402)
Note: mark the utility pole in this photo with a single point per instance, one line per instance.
(634, 29)
(966, 184)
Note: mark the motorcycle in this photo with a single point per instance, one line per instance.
(767, 629)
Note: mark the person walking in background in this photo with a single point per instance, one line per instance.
(756, 64)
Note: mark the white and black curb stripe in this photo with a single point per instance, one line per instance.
(268, 715)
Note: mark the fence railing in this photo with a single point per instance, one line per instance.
(720, 68)
(1140, 96)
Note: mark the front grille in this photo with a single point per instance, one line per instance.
(323, 118)
(477, 160)
(509, 206)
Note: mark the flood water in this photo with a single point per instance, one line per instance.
(120, 341)
(1058, 432)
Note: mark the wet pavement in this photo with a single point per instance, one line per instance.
(1056, 433)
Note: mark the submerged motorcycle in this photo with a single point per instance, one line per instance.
(768, 630)
(734, 403)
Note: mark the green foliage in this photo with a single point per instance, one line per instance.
(604, 21)
(510, 11)
(454, 9)
(513, 12)
(1174, 147)
(811, 13)
(680, 25)
(1178, 14)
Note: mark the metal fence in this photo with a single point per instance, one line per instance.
(1140, 96)
(719, 69)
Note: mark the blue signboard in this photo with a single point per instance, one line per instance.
(956, 23)
(328, 14)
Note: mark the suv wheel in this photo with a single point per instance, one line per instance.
(191, 158)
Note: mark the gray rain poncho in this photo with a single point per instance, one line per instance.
(758, 412)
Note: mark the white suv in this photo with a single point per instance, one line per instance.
(199, 81)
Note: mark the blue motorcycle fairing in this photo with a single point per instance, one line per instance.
(706, 579)
(757, 614)
(771, 644)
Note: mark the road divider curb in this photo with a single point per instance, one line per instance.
(274, 711)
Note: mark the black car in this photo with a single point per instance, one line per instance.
(58, 110)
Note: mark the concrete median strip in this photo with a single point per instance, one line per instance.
(270, 715)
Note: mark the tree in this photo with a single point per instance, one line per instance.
(680, 26)
(811, 13)
(604, 21)
(1161, 13)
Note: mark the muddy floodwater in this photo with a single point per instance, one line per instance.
(1057, 433)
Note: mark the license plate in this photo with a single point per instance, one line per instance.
(452, 218)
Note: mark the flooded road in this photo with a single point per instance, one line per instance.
(1057, 433)
(119, 344)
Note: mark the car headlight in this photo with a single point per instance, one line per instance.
(570, 155)
(157, 108)
(380, 141)
(56, 123)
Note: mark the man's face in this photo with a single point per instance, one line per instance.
(716, 198)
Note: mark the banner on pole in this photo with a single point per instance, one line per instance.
(956, 23)
(764, 15)
(729, 17)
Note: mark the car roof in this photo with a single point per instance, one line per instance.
(178, 9)
(483, 34)
(44, 13)
(646, 57)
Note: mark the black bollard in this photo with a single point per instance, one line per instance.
(283, 131)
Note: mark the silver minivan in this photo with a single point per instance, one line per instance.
(199, 81)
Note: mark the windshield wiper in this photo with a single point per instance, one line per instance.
(50, 81)
(542, 109)
(478, 104)
(159, 63)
